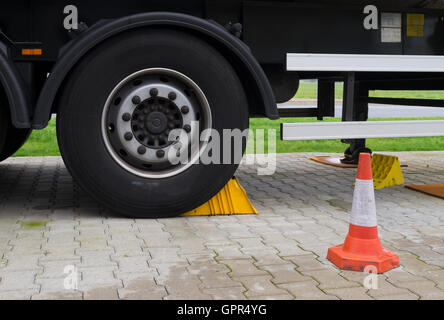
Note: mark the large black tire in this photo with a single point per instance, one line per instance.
(11, 138)
(82, 103)
(15, 139)
(4, 122)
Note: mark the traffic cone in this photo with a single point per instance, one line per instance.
(362, 246)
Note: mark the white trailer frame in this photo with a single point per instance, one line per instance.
(361, 130)
(364, 63)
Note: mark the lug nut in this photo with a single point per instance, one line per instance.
(160, 153)
(185, 109)
(187, 128)
(128, 136)
(172, 96)
(154, 92)
(136, 100)
(126, 117)
(141, 150)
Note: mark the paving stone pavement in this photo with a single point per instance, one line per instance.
(50, 229)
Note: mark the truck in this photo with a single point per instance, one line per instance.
(121, 76)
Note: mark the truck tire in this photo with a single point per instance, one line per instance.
(15, 139)
(11, 138)
(123, 98)
(4, 124)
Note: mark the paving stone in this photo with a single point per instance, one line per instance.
(356, 276)
(188, 296)
(107, 293)
(268, 259)
(230, 253)
(350, 293)
(18, 295)
(436, 262)
(259, 286)
(59, 257)
(436, 276)
(141, 294)
(385, 288)
(56, 285)
(232, 293)
(98, 278)
(56, 269)
(97, 259)
(399, 275)
(330, 279)
(405, 296)
(284, 273)
(286, 250)
(425, 289)
(240, 268)
(306, 290)
(307, 263)
(141, 287)
(121, 246)
(72, 295)
(205, 257)
(211, 280)
(60, 249)
(173, 270)
(284, 296)
(188, 287)
(18, 280)
(413, 265)
(304, 209)
(137, 264)
(165, 255)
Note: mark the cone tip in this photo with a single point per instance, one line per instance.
(365, 167)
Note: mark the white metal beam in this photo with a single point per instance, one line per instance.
(361, 130)
(364, 63)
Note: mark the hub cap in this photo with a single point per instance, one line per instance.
(140, 114)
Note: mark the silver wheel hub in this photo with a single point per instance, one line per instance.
(139, 118)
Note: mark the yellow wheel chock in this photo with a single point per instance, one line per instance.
(386, 171)
(232, 199)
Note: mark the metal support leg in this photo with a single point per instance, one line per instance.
(355, 108)
(326, 98)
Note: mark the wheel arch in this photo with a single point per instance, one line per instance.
(13, 88)
(257, 87)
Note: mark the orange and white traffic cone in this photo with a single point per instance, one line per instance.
(362, 246)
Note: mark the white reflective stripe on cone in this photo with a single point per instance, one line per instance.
(364, 206)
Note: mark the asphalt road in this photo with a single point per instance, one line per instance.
(380, 111)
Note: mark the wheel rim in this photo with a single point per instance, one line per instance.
(142, 113)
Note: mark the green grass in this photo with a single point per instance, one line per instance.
(309, 90)
(41, 143)
(44, 142)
